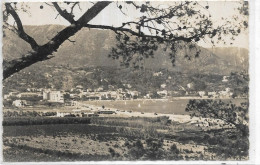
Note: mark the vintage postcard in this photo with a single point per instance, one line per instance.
(125, 81)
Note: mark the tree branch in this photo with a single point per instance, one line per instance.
(85, 18)
(69, 17)
(44, 51)
(20, 30)
(69, 31)
(72, 8)
(180, 38)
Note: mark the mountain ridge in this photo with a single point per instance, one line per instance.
(92, 47)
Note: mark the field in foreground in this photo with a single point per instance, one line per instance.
(133, 138)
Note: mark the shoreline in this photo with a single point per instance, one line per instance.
(168, 99)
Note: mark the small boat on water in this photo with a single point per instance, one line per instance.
(139, 105)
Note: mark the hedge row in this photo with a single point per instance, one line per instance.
(44, 120)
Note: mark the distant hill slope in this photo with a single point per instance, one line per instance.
(234, 56)
(92, 47)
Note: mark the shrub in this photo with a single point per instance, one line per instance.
(137, 151)
(127, 143)
(111, 151)
(154, 150)
(174, 149)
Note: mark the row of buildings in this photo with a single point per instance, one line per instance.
(55, 96)
(78, 93)
(203, 94)
(216, 94)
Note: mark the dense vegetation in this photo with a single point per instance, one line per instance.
(144, 81)
(21, 113)
(144, 138)
(227, 144)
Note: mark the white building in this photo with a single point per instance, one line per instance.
(120, 90)
(19, 103)
(225, 79)
(228, 89)
(127, 86)
(190, 85)
(113, 94)
(83, 93)
(225, 94)
(133, 93)
(156, 74)
(62, 114)
(53, 96)
(202, 93)
(6, 96)
(212, 94)
(163, 85)
(79, 87)
(99, 89)
(162, 93)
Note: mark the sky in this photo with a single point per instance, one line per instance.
(111, 15)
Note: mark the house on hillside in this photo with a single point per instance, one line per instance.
(162, 93)
(163, 85)
(127, 86)
(53, 96)
(47, 75)
(156, 74)
(79, 87)
(99, 89)
(6, 96)
(111, 87)
(225, 79)
(120, 90)
(190, 85)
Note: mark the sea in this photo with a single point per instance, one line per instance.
(165, 106)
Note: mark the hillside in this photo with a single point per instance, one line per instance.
(92, 47)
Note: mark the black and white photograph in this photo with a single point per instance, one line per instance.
(125, 81)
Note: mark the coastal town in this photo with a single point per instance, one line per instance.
(80, 102)
(33, 96)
